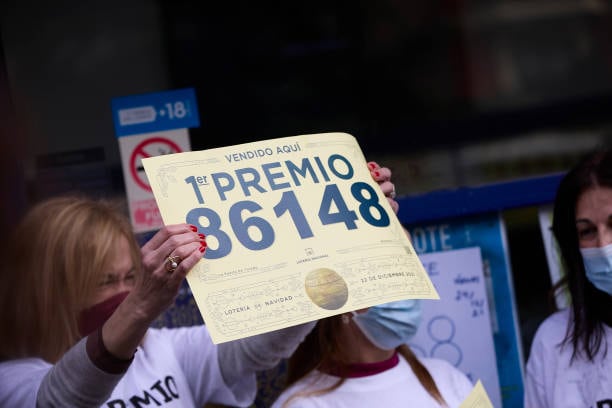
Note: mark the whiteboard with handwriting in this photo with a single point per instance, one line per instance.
(457, 328)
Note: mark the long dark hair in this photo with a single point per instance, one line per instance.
(322, 349)
(589, 305)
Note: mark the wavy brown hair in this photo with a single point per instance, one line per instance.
(58, 252)
(323, 350)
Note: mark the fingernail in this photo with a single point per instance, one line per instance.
(376, 174)
(193, 228)
(202, 236)
(202, 248)
(372, 165)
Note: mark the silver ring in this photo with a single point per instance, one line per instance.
(392, 194)
(172, 263)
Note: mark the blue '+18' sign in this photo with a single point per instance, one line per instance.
(155, 112)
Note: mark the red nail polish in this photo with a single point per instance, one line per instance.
(376, 174)
(372, 165)
(202, 248)
(202, 236)
(193, 228)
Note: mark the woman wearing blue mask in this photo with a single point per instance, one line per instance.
(570, 362)
(361, 359)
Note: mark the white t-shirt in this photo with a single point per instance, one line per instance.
(396, 387)
(550, 380)
(173, 368)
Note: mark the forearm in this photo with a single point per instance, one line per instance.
(76, 381)
(256, 353)
(87, 374)
(123, 332)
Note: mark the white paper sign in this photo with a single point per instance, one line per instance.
(144, 213)
(553, 256)
(457, 328)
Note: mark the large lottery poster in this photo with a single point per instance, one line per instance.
(296, 228)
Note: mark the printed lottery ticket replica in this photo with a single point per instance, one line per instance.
(296, 228)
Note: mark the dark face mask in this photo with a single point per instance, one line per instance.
(95, 316)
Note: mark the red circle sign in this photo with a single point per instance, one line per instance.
(146, 149)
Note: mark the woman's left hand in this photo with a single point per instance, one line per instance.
(166, 259)
(382, 175)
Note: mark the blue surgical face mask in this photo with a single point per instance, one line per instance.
(598, 267)
(391, 324)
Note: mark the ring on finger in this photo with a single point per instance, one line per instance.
(172, 262)
(392, 194)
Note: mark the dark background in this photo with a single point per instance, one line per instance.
(448, 93)
(418, 75)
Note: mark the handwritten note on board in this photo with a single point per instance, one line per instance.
(457, 328)
(297, 230)
(488, 232)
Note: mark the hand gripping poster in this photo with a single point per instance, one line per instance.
(296, 228)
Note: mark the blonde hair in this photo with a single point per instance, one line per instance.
(57, 255)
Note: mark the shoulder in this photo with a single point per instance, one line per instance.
(557, 320)
(448, 378)
(20, 380)
(312, 381)
(546, 343)
(553, 328)
(186, 341)
(439, 366)
(12, 370)
(186, 334)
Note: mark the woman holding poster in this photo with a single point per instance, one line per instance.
(77, 301)
(570, 360)
(361, 359)
(78, 298)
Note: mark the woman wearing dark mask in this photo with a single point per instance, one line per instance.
(361, 359)
(77, 300)
(570, 362)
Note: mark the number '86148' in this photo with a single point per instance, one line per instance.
(333, 210)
